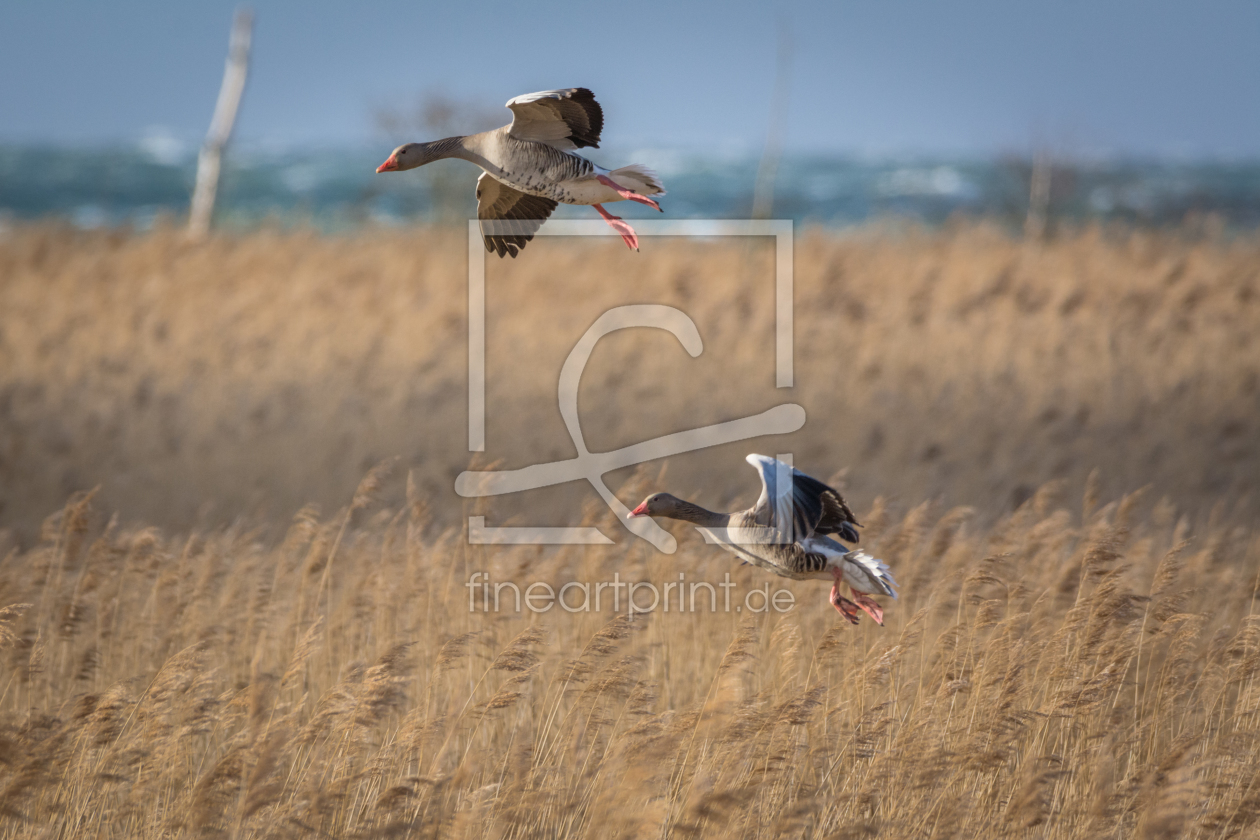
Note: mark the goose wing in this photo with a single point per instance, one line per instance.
(799, 506)
(769, 548)
(508, 216)
(566, 119)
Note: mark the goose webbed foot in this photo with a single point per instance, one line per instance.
(844, 606)
(627, 233)
(627, 194)
(869, 606)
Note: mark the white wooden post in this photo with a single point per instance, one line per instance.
(1038, 196)
(763, 187)
(208, 162)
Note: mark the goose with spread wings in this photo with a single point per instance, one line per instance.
(530, 167)
(789, 532)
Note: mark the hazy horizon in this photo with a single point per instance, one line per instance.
(1147, 80)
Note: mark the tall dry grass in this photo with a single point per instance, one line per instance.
(1072, 656)
(198, 382)
(1068, 672)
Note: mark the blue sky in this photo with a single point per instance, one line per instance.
(878, 76)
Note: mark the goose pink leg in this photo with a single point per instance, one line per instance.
(869, 606)
(625, 193)
(615, 222)
(846, 608)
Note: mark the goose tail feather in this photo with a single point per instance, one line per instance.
(877, 569)
(638, 178)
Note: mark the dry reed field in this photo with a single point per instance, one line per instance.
(240, 635)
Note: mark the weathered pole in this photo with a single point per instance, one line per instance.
(211, 156)
(1038, 196)
(763, 186)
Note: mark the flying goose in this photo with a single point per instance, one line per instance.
(786, 532)
(530, 167)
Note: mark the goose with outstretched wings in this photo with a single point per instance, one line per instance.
(530, 166)
(788, 532)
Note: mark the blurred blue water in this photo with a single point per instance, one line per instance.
(339, 189)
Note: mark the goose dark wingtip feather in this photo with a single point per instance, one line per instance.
(594, 117)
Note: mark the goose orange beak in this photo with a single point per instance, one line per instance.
(389, 165)
(641, 510)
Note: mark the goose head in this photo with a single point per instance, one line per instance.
(659, 504)
(409, 156)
